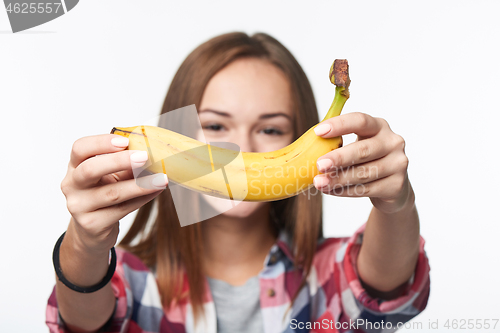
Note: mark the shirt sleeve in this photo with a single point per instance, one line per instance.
(375, 314)
(123, 306)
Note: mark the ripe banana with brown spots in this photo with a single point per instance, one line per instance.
(231, 174)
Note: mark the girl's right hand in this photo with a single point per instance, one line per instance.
(100, 188)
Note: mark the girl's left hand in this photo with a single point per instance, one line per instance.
(374, 166)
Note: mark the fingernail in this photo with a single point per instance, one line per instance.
(160, 180)
(320, 181)
(139, 157)
(322, 129)
(324, 165)
(121, 142)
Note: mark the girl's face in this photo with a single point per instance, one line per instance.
(248, 103)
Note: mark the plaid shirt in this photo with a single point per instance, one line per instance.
(333, 299)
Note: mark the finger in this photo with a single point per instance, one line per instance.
(112, 194)
(90, 146)
(388, 187)
(360, 123)
(106, 217)
(116, 177)
(355, 153)
(90, 171)
(358, 174)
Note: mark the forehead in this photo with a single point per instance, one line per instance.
(248, 86)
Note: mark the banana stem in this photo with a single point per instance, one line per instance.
(338, 103)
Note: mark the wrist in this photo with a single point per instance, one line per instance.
(80, 271)
(405, 202)
(74, 248)
(84, 244)
(81, 265)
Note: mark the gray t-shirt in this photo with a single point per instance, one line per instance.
(237, 307)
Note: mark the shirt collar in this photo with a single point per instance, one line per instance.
(281, 249)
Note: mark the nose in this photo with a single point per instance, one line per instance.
(244, 141)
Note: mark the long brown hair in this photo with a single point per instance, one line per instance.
(174, 251)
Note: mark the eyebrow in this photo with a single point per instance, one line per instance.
(264, 116)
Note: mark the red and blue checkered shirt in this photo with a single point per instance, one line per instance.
(333, 300)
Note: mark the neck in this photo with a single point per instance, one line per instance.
(235, 248)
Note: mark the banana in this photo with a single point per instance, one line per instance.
(230, 174)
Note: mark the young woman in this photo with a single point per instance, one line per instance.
(261, 266)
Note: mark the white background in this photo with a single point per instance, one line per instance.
(431, 68)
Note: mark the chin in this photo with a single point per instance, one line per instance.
(237, 209)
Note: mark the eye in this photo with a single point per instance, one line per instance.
(213, 127)
(272, 131)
